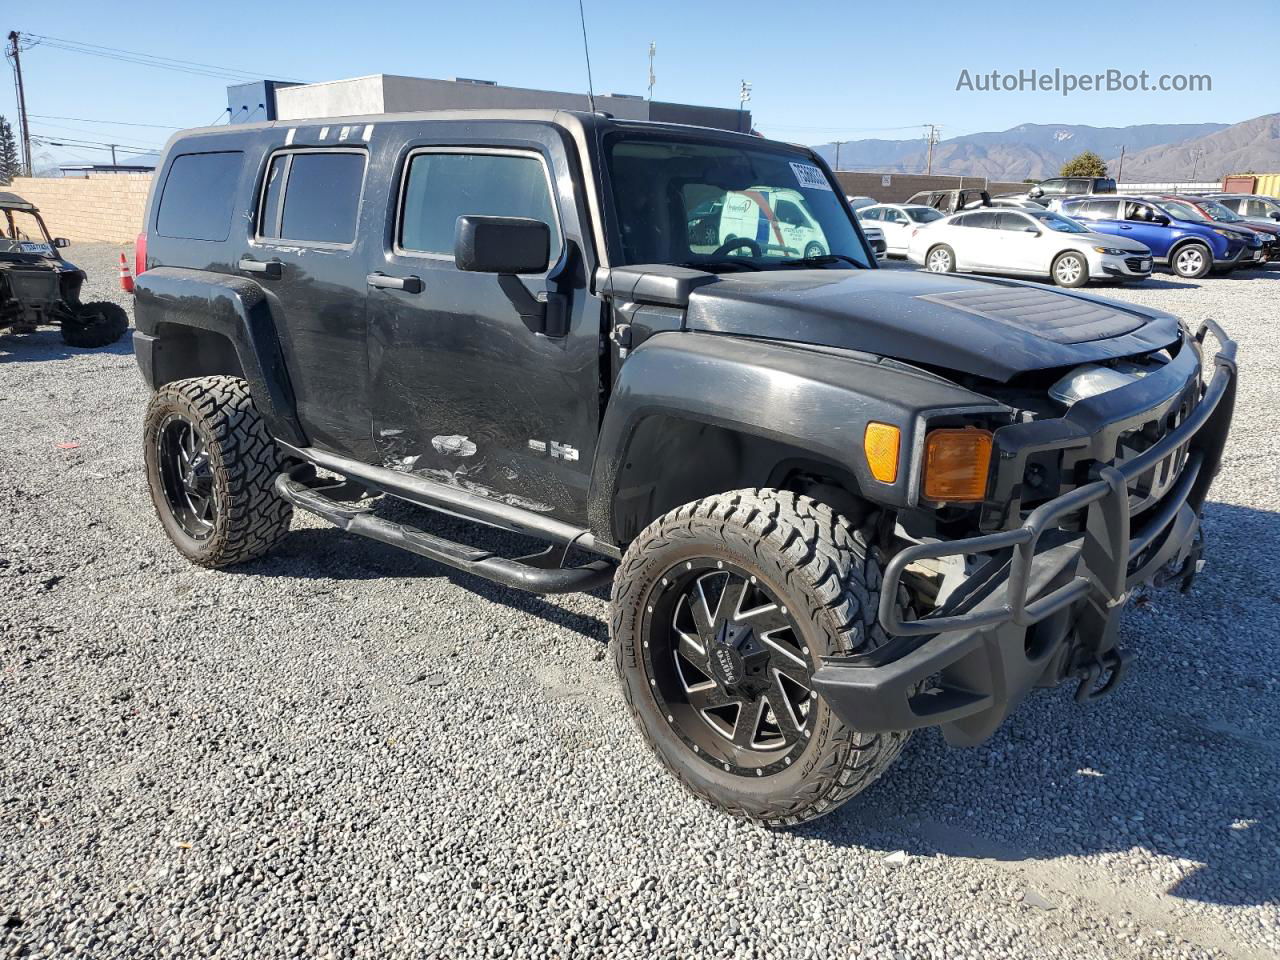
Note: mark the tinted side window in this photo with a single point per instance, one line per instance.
(1054, 188)
(441, 187)
(871, 213)
(1013, 221)
(321, 197)
(199, 194)
(987, 220)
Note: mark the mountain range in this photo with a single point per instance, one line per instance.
(1153, 151)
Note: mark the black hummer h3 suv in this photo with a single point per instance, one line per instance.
(836, 503)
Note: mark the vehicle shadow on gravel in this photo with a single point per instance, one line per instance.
(327, 553)
(46, 344)
(1182, 762)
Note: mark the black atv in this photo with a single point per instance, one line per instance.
(37, 286)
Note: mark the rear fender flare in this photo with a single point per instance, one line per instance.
(236, 308)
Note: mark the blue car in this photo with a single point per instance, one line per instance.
(1190, 247)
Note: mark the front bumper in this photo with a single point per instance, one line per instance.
(1133, 265)
(1047, 602)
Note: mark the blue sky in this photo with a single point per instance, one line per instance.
(841, 71)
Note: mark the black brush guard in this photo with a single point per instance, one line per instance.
(1050, 601)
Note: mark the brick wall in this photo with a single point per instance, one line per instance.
(106, 209)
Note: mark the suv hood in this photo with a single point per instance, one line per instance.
(990, 328)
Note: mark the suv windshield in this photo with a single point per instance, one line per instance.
(722, 205)
(23, 232)
(1182, 211)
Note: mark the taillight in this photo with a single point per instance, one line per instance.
(140, 254)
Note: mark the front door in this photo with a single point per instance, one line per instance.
(464, 392)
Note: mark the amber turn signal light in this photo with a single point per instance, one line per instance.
(880, 443)
(956, 463)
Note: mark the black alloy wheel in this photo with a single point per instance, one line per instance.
(729, 667)
(186, 476)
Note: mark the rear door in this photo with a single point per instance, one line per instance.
(303, 254)
(1022, 243)
(463, 391)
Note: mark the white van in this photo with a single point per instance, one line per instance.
(776, 218)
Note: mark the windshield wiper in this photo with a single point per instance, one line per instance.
(822, 259)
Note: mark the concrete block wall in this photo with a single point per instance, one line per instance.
(106, 209)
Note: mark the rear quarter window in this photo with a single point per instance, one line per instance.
(199, 195)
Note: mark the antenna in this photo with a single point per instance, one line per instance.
(591, 93)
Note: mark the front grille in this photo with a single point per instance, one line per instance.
(1136, 263)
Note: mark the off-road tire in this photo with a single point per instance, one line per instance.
(250, 517)
(96, 324)
(829, 577)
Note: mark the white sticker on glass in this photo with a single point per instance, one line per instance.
(810, 177)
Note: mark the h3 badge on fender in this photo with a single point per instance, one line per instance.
(558, 451)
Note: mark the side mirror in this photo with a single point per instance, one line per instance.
(1274, 215)
(503, 245)
(1161, 219)
(61, 242)
(1036, 191)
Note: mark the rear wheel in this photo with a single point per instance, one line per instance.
(722, 611)
(814, 249)
(1070, 270)
(210, 465)
(941, 259)
(1192, 261)
(95, 324)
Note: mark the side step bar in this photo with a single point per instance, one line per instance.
(333, 502)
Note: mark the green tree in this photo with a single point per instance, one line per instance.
(1087, 164)
(10, 167)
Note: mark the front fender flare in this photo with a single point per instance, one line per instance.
(817, 399)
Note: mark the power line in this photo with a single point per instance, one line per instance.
(150, 60)
(97, 143)
(117, 123)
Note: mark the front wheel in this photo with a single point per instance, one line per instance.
(1070, 270)
(1192, 261)
(722, 611)
(814, 249)
(941, 259)
(95, 324)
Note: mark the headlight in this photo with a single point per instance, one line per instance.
(1226, 233)
(1111, 251)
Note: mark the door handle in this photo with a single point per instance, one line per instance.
(270, 268)
(407, 284)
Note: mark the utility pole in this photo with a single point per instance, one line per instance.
(113, 153)
(25, 131)
(838, 144)
(1120, 171)
(932, 138)
(1195, 163)
(744, 94)
(653, 51)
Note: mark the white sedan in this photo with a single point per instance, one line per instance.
(1027, 242)
(897, 220)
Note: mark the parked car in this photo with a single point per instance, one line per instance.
(779, 463)
(875, 237)
(1056, 187)
(1248, 205)
(897, 221)
(39, 286)
(1191, 248)
(857, 203)
(1031, 243)
(949, 201)
(1268, 231)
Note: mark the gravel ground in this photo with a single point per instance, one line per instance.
(347, 751)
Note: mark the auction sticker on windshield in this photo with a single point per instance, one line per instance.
(810, 177)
